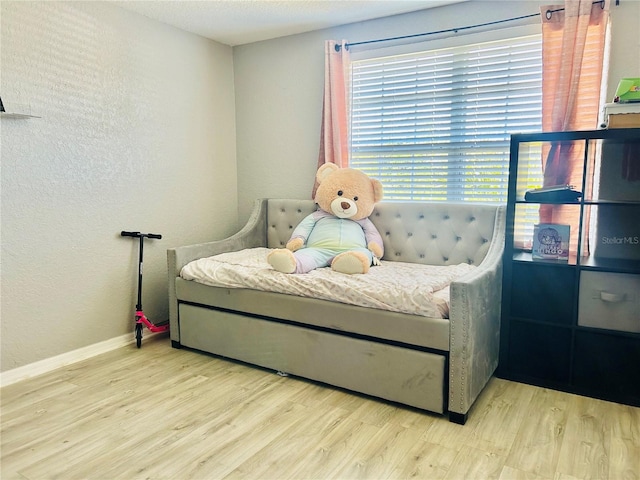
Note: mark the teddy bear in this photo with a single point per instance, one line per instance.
(340, 232)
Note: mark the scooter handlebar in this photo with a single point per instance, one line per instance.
(138, 235)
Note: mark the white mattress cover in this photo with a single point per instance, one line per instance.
(394, 286)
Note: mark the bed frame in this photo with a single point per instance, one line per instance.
(439, 365)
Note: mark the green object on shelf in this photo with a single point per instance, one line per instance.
(628, 90)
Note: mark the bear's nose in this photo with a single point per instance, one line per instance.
(344, 205)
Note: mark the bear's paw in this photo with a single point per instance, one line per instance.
(282, 260)
(351, 263)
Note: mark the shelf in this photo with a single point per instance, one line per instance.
(622, 203)
(607, 331)
(615, 265)
(580, 328)
(16, 115)
(613, 203)
(613, 134)
(526, 257)
(557, 329)
(548, 202)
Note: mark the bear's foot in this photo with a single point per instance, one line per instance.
(282, 260)
(351, 263)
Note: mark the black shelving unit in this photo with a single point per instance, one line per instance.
(548, 335)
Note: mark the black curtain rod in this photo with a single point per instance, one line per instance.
(548, 14)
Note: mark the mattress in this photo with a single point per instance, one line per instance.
(401, 287)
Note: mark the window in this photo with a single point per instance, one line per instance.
(435, 125)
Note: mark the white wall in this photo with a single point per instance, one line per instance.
(279, 87)
(136, 132)
(625, 43)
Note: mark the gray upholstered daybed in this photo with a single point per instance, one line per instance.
(432, 363)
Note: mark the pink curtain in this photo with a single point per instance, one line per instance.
(573, 49)
(334, 131)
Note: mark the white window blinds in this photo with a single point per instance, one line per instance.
(435, 125)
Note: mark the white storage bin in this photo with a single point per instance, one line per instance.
(610, 301)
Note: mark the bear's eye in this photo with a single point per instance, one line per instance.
(339, 193)
(355, 199)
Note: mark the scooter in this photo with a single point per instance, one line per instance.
(141, 319)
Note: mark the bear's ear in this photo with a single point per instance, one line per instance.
(377, 190)
(325, 170)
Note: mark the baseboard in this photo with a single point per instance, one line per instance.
(48, 364)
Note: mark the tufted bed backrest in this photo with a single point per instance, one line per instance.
(415, 232)
(283, 216)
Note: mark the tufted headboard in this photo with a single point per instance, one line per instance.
(415, 232)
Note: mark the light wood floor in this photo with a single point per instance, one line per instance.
(159, 413)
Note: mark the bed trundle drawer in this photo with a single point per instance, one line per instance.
(404, 375)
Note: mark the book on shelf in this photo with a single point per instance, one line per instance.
(556, 193)
(550, 242)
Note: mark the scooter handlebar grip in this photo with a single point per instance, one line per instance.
(154, 235)
(129, 234)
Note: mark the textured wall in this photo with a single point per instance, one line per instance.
(279, 87)
(136, 132)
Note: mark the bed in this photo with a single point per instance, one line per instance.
(421, 329)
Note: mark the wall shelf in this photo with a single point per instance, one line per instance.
(16, 115)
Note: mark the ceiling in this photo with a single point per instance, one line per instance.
(236, 22)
